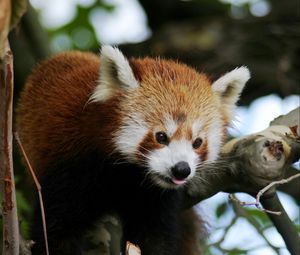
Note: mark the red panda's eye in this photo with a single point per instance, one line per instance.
(162, 138)
(197, 143)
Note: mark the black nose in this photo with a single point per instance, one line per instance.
(181, 170)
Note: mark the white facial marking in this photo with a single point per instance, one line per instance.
(171, 126)
(196, 127)
(128, 138)
(162, 160)
(214, 139)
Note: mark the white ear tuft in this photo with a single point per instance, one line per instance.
(230, 86)
(115, 74)
(237, 78)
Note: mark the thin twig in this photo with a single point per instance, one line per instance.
(283, 181)
(257, 204)
(261, 192)
(39, 189)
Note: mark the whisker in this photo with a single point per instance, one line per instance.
(145, 149)
(197, 178)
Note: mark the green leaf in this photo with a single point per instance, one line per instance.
(260, 216)
(221, 209)
(237, 251)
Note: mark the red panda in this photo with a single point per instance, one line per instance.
(126, 136)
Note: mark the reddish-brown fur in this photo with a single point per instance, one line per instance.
(185, 90)
(149, 143)
(172, 82)
(51, 94)
(59, 90)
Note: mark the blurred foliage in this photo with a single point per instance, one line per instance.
(211, 35)
(215, 37)
(80, 33)
(255, 218)
(221, 209)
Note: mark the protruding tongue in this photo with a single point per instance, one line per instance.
(178, 182)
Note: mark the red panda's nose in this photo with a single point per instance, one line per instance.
(181, 170)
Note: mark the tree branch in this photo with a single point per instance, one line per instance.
(254, 164)
(246, 164)
(262, 192)
(10, 217)
(292, 188)
(283, 224)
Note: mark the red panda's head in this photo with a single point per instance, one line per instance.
(172, 118)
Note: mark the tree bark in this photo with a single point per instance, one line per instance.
(10, 217)
(283, 224)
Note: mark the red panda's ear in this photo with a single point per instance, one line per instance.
(115, 74)
(230, 86)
